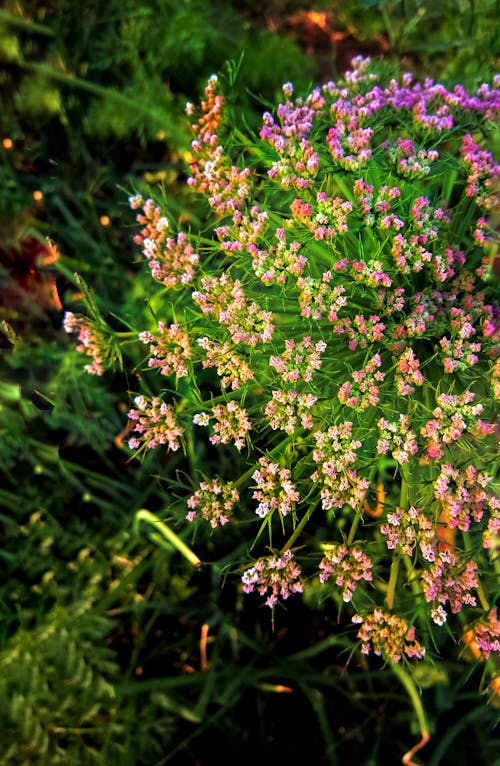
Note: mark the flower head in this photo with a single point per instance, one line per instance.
(277, 576)
(388, 636)
(213, 501)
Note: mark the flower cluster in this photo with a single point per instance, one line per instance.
(482, 181)
(244, 230)
(449, 580)
(364, 391)
(225, 185)
(317, 297)
(275, 490)
(299, 360)
(298, 160)
(388, 635)
(334, 318)
(155, 424)
(485, 635)
(397, 438)
(225, 300)
(348, 565)
(407, 529)
(410, 160)
(169, 350)
(213, 501)
(278, 574)
(172, 261)
(231, 424)
(232, 369)
(349, 143)
(327, 218)
(408, 373)
(91, 341)
(335, 454)
(464, 497)
(454, 416)
(288, 408)
(279, 261)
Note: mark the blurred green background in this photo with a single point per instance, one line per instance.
(102, 635)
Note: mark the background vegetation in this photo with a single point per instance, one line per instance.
(113, 649)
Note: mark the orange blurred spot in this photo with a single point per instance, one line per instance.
(104, 220)
(203, 647)
(469, 639)
(282, 689)
(118, 440)
(8, 143)
(445, 532)
(379, 508)
(51, 253)
(320, 18)
(495, 685)
(55, 296)
(38, 195)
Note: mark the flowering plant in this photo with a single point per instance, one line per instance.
(330, 331)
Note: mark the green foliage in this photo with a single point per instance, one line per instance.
(128, 69)
(56, 691)
(460, 39)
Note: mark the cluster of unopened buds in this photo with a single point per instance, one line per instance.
(339, 331)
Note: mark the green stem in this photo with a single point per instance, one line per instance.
(244, 478)
(416, 702)
(412, 579)
(167, 533)
(482, 596)
(298, 529)
(28, 26)
(404, 494)
(353, 529)
(393, 578)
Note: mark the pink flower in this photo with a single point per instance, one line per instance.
(388, 635)
(92, 341)
(348, 565)
(275, 490)
(278, 574)
(213, 501)
(155, 423)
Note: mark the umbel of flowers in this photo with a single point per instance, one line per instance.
(334, 325)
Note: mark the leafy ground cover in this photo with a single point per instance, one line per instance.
(115, 648)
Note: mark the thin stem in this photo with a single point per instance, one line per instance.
(353, 529)
(276, 450)
(298, 529)
(27, 26)
(482, 596)
(416, 702)
(393, 578)
(168, 534)
(404, 494)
